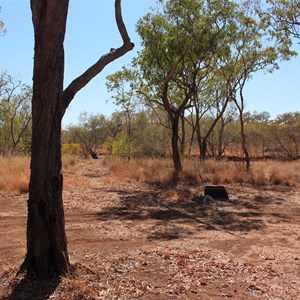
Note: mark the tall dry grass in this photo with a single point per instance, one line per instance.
(142, 170)
(208, 172)
(14, 173)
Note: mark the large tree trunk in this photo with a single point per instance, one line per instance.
(46, 238)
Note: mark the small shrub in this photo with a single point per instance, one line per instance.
(70, 149)
(122, 147)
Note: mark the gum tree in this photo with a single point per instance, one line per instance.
(46, 239)
(179, 41)
(251, 51)
(283, 17)
(122, 85)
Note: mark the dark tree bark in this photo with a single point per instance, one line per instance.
(94, 155)
(46, 239)
(244, 145)
(175, 147)
(243, 135)
(175, 113)
(182, 140)
(220, 140)
(203, 149)
(202, 141)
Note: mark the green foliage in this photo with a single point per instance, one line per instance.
(109, 144)
(149, 138)
(286, 133)
(188, 35)
(122, 147)
(123, 86)
(283, 18)
(15, 115)
(72, 149)
(90, 133)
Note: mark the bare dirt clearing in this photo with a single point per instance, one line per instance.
(138, 241)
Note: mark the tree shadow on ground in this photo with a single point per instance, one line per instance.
(27, 289)
(239, 215)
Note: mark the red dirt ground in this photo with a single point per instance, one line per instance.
(135, 241)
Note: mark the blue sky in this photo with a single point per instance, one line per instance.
(91, 32)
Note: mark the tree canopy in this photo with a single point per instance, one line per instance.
(283, 16)
(207, 52)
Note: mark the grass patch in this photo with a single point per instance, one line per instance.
(14, 173)
(208, 172)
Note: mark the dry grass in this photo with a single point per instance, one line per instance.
(212, 172)
(143, 170)
(14, 174)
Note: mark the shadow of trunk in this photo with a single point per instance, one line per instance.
(28, 288)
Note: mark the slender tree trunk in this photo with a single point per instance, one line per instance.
(199, 138)
(191, 141)
(220, 140)
(182, 142)
(203, 149)
(175, 148)
(46, 239)
(244, 144)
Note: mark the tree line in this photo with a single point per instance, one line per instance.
(150, 135)
(139, 131)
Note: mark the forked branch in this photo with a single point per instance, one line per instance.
(81, 81)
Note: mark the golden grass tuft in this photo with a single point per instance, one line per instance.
(14, 173)
(143, 170)
(283, 173)
(69, 161)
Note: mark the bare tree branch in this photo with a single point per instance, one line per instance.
(81, 81)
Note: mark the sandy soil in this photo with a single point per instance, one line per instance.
(135, 241)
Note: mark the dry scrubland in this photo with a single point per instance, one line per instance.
(14, 172)
(134, 234)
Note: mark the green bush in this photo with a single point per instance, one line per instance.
(70, 148)
(122, 147)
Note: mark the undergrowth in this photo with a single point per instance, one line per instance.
(14, 172)
(209, 172)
